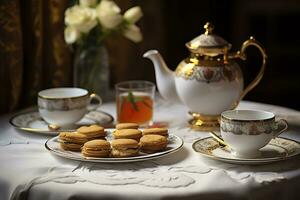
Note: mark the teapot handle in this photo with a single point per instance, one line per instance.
(241, 54)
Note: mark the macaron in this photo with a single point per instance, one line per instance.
(71, 141)
(156, 131)
(153, 143)
(96, 148)
(124, 147)
(127, 126)
(92, 132)
(127, 134)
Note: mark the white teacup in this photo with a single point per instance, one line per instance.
(65, 106)
(247, 131)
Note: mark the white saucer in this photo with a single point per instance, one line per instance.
(175, 144)
(278, 149)
(32, 121)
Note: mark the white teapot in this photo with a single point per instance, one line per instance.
(209, 81)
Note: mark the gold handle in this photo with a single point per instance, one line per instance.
(241, 54)
(92, 106)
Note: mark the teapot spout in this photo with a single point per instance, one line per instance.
(164, 76)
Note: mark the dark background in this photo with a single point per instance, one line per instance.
(274, 24)
(33, 55)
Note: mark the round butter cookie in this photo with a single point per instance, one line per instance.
(124, 147)
(127, 134)
(96, 148)
(153, 143)
(127, 126)
(71, 141)
(92, 132)
(156, 131)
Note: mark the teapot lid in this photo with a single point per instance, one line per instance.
(208, 43)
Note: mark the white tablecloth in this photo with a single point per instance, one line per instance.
(29, 171)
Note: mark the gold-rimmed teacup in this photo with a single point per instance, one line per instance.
(65, 106)
(247, 131)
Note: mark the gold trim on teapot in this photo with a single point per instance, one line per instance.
(210, 80)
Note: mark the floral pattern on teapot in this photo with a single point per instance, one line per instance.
(208, 74)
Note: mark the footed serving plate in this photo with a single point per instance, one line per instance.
(32, 121)
(278, 149)
(53, 145)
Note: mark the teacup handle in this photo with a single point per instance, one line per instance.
(92, 97)
(281, 126)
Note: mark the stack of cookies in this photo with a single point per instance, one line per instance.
(154, 139)
(150, 140)
(72, 141)
(124, 148)
(128, 140)
(96, 148)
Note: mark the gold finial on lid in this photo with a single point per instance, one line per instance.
(208, 28)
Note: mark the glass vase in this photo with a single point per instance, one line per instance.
(91, 70)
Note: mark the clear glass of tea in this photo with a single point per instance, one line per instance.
(134, 101)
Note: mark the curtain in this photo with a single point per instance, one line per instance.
(33, 53)
(34, 56)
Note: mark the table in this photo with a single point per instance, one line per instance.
(29, 171)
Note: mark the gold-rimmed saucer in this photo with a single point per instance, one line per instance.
(277, 150)
(31, 121)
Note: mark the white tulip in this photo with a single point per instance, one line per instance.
(71, 35)
(109, 14)
(87, 3)
(81, 18)
(133, 14)
(133, 33)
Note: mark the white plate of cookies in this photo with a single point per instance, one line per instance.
(125, 143)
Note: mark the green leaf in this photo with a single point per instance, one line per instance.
(131, 99)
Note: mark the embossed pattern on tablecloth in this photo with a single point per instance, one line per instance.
(151, 174)
(161, 173)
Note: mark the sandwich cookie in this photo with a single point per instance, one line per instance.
(124, 147)
(92, 132)
(96, 148)
(156, 131)
(128, 134)
(127, 126)
(153, 143)
(72, 141)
